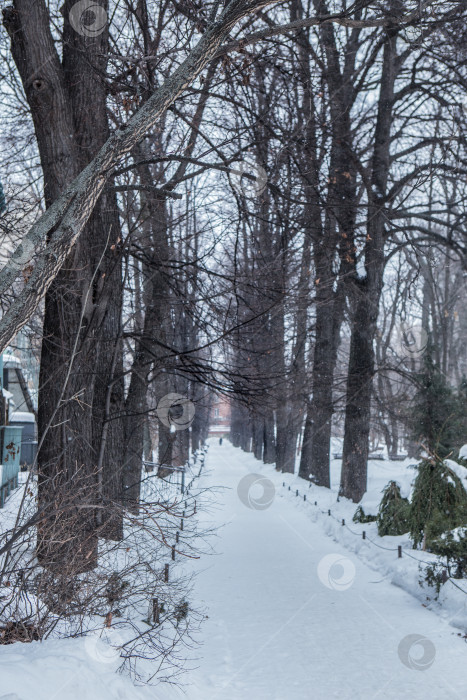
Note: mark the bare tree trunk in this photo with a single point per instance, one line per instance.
(236, 425)
(269, 451)
(257, 423)
(288, 426)
(199, 399)
(82, 309)
(315, 458)
(366, 292)
(332, 235)
(147, 349)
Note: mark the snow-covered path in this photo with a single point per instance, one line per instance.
(292, 615)
(276, 631)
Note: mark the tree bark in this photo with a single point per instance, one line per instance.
(366, 292)
(269, 449)
(334, 235)
(257, 424)
(82, 309)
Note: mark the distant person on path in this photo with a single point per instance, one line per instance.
(220, 441)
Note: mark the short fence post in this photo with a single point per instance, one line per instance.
(363, 535)
(173, 552)
(304, 496)
(296, 492)
(155, 611)
(329, 512)
(177, 536)
(166, 573)
(399, 551)
(343, 522)
(181, 524)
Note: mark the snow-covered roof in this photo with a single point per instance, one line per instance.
(11, 361)
(22, 417)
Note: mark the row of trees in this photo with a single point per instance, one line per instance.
(371, 241)
(220, 214)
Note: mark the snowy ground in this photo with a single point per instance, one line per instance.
(294, 610)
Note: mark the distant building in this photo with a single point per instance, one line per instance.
(15, 382)
(20, 412)
(219, 423)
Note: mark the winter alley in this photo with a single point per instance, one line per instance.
(277, 632)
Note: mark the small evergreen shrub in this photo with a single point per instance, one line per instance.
(181, 611)
(394, 512)
(361, 517)
(453, 546)
(435, 575)
(439, 502)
